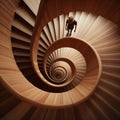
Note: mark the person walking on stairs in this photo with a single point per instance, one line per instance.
(70, 25)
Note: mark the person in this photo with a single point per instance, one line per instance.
(70, 25)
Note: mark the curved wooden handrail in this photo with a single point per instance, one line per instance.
(14, 80)
(16, 83)
(47, 12)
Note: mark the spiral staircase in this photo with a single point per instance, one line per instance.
(45, 75)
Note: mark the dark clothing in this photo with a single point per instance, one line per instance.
(71, 24)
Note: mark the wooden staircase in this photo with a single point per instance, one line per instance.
(24, 95)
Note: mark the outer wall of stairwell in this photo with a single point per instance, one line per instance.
(8, 102)
(7, 62)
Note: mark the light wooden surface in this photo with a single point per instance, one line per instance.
(104, 104)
